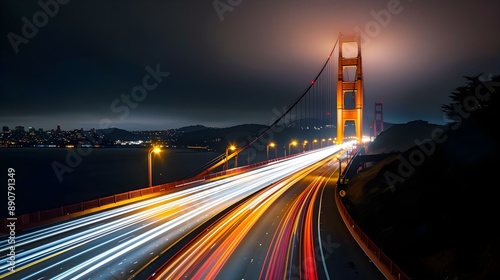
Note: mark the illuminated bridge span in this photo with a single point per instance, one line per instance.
(279, 219)
(333, 99)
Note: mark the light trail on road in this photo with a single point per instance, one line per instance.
(117, 243)
(207, 254)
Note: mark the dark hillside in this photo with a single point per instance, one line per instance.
(220, 138)
(433, 207)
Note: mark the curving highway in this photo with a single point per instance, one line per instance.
(119, 243)
(288, 230)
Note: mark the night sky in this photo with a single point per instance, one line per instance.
(223, 63)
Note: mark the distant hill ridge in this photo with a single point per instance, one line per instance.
(191, 128)
(400, 137)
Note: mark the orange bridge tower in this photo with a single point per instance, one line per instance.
(349, 86)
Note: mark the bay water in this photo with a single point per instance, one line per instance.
(46, 178)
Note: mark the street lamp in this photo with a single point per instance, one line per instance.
(272, 145)
(155, 150)
(322, 140)
(293, 143)
(304, 146)
(314, 142)
(232, 148)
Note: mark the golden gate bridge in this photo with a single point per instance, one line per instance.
(334, 99)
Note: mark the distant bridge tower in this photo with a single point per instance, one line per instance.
(378, 119)
(350, 82)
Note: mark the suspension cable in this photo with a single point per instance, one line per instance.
(220, 162)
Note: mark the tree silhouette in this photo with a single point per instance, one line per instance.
(477, 100)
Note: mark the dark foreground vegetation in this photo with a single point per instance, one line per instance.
(433, 208)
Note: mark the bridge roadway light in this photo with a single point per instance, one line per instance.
(314, 142)
(304, 146)
(347, 154)
(322, 140)
(232, 148)
(156, 150)
(340, 168)
(293, 143)
(272, 145)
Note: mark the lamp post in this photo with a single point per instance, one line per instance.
(155, 150)
(293, 143)
(322, 140)
(232, 148)
(314, 142)
(272, 145)
(304, 146)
